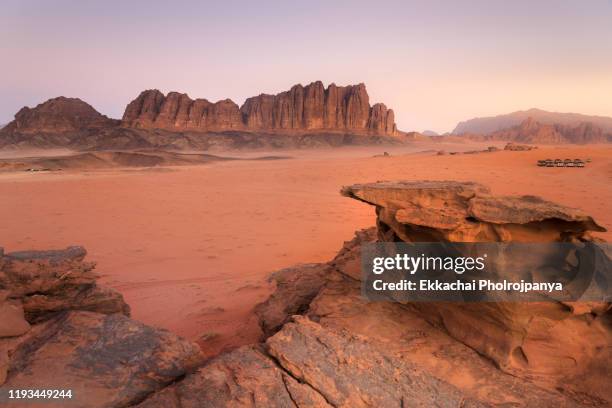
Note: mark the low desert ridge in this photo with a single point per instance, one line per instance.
(191, 247)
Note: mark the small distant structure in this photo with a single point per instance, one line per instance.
(561, 163)
(34, 169)
(518, 147)
(385, 154)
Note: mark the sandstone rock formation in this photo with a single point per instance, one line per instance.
(306, 365)
(434, 211)
(302, 108)
(176, 111)
(347, 351)
(49, 282)
(309, 116)
(58, 115)
(543, 354)
(60, 330)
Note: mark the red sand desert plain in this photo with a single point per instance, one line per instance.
(191, 247)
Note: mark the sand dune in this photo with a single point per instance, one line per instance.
(112, 159)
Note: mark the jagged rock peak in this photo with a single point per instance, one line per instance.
(302, 108)
(177, 111)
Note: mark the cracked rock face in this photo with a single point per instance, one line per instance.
(60, 330)
(246, 377)
(349, 371)
(106, 360)
(48, 282)
(306, 365)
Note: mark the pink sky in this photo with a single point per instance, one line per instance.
(434, 62)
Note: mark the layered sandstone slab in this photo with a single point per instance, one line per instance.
(557, 344)
(106, 360)
(303, 108)
(60, 330)
(514, 354)
(307, 365)
(48, 282)
(433, 211)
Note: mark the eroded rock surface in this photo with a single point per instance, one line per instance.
(302, 108)
(246, 377)
(296, 287)
(106, 360)
(60, 330)
(48, 282)
(59, 114)
(304, 116)
(306, 365)
(502, 354)
(434, 211)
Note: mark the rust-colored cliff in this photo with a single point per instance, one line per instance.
(303, 108)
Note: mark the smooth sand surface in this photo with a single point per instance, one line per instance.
(190, 247)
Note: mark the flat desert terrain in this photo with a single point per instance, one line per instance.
(190, 247)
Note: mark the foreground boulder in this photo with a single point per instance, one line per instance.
(105, 360)
(536, 354)
(306, 365)
(60, 330)
(48, 282)
(246, 377)
(450, 211)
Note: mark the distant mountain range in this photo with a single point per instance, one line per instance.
(533, 132)
(303, 116)
(489, 125)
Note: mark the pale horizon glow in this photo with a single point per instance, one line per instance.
(435, 63)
